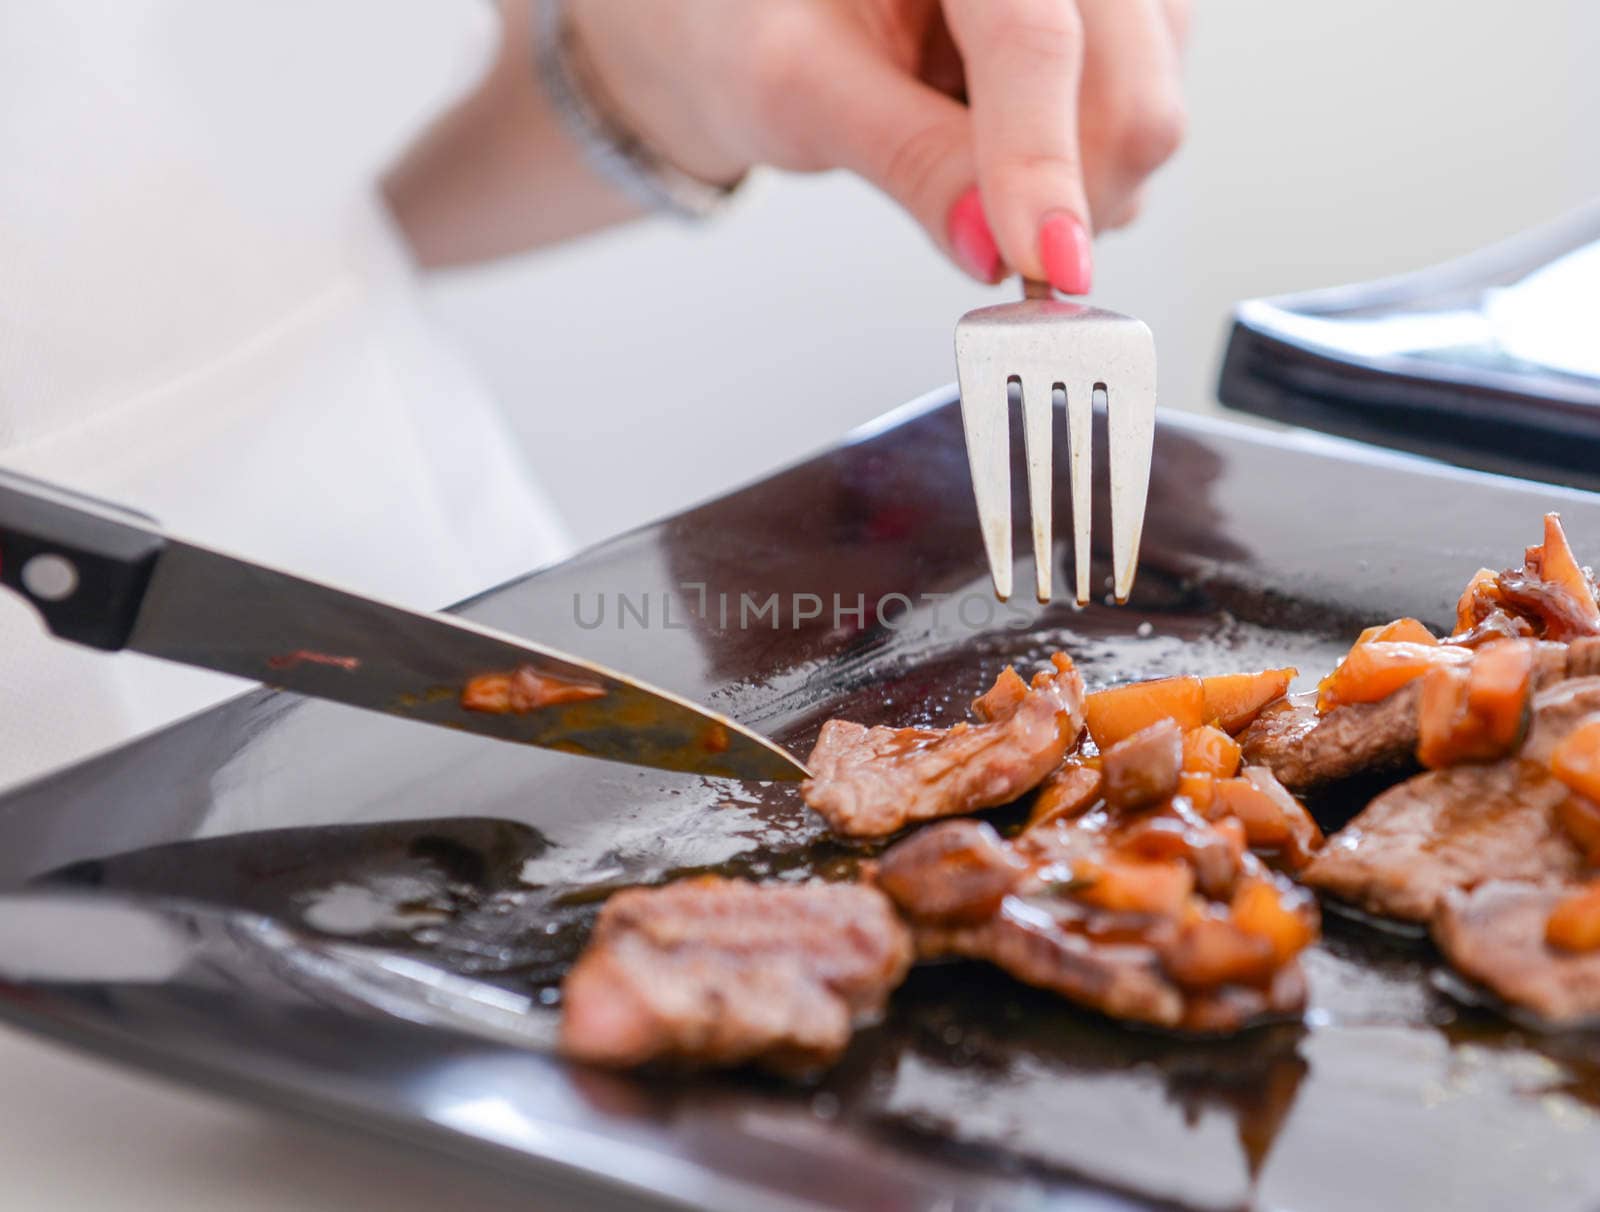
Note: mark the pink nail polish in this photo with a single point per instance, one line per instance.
(970, 238)
(1066, 252)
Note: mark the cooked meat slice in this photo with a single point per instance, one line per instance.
(713, 971)
(1443, 830)
(1103, 910)
(955, 872)
(1027, 939)
(1456, 828)
(871, 782)
(1072, 788)
(1582, 658)
(1557, 710)
(1180, 833)
(1306, 750)
(1143, 768)
(1495, 934)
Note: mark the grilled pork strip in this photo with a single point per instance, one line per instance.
(1495, 935)
(1462, 826)
(1307, 751)
(713, 971)
(871, 782)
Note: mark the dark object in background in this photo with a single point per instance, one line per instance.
(1489, 361)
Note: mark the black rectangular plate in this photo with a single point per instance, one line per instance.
(226, 901)
(1307, 359)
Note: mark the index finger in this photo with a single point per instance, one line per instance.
(1024, 60)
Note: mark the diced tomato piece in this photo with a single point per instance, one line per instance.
(1210, 750)
(1233, 700)
(1478, 600)
(1002, 699)
(1261, 908)
(1272, 818)
(1211, 950)
(1070, 791)
(1374, 671)
(1574, 924)
(1133, 886)
(1407, 630)
(1478, 712)
(1499, 691)
(1443, 705)
(1559, 566)
(1199, 789)
(1232, 830)
(1576, 760)
(1115, 714)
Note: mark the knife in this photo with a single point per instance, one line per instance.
(109, 578)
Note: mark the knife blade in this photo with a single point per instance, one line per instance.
(109, 578)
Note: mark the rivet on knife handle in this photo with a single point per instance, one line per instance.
(83, 564)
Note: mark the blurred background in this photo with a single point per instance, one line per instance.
(1328, 143)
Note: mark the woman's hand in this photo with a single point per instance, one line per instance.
(1052, 112)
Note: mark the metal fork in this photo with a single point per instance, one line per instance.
(1043, 345)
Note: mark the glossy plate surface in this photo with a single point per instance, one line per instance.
(363, 918)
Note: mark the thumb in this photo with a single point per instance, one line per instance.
(913, 143)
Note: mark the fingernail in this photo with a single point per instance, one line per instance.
(1066, 252)
(970, 238)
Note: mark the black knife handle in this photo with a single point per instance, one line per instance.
(83, 563)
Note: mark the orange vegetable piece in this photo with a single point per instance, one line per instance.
(1272, 818)
(1574, 924)
(1442, 708)
(1233, 700)
(1481, 596)
(1210, 951)
(1259, 908)
(1580, 817)
(1121, 711)
(1478, 712)
(1136, 886)
(1498, 691)
(1375, 670)
(1002, 699)
(1576, 760)
(1231, 830)
(1069, 792)
(1407, 630)
(1560, 567)
(1210, 750)
(1199, 789)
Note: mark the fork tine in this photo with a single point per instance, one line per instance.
(985, 415)
(1131, 421)
(1037, 415)
(1080, 458)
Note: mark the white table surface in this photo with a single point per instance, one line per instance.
(80, 1133)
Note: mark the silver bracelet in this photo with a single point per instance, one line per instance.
(612, 150)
